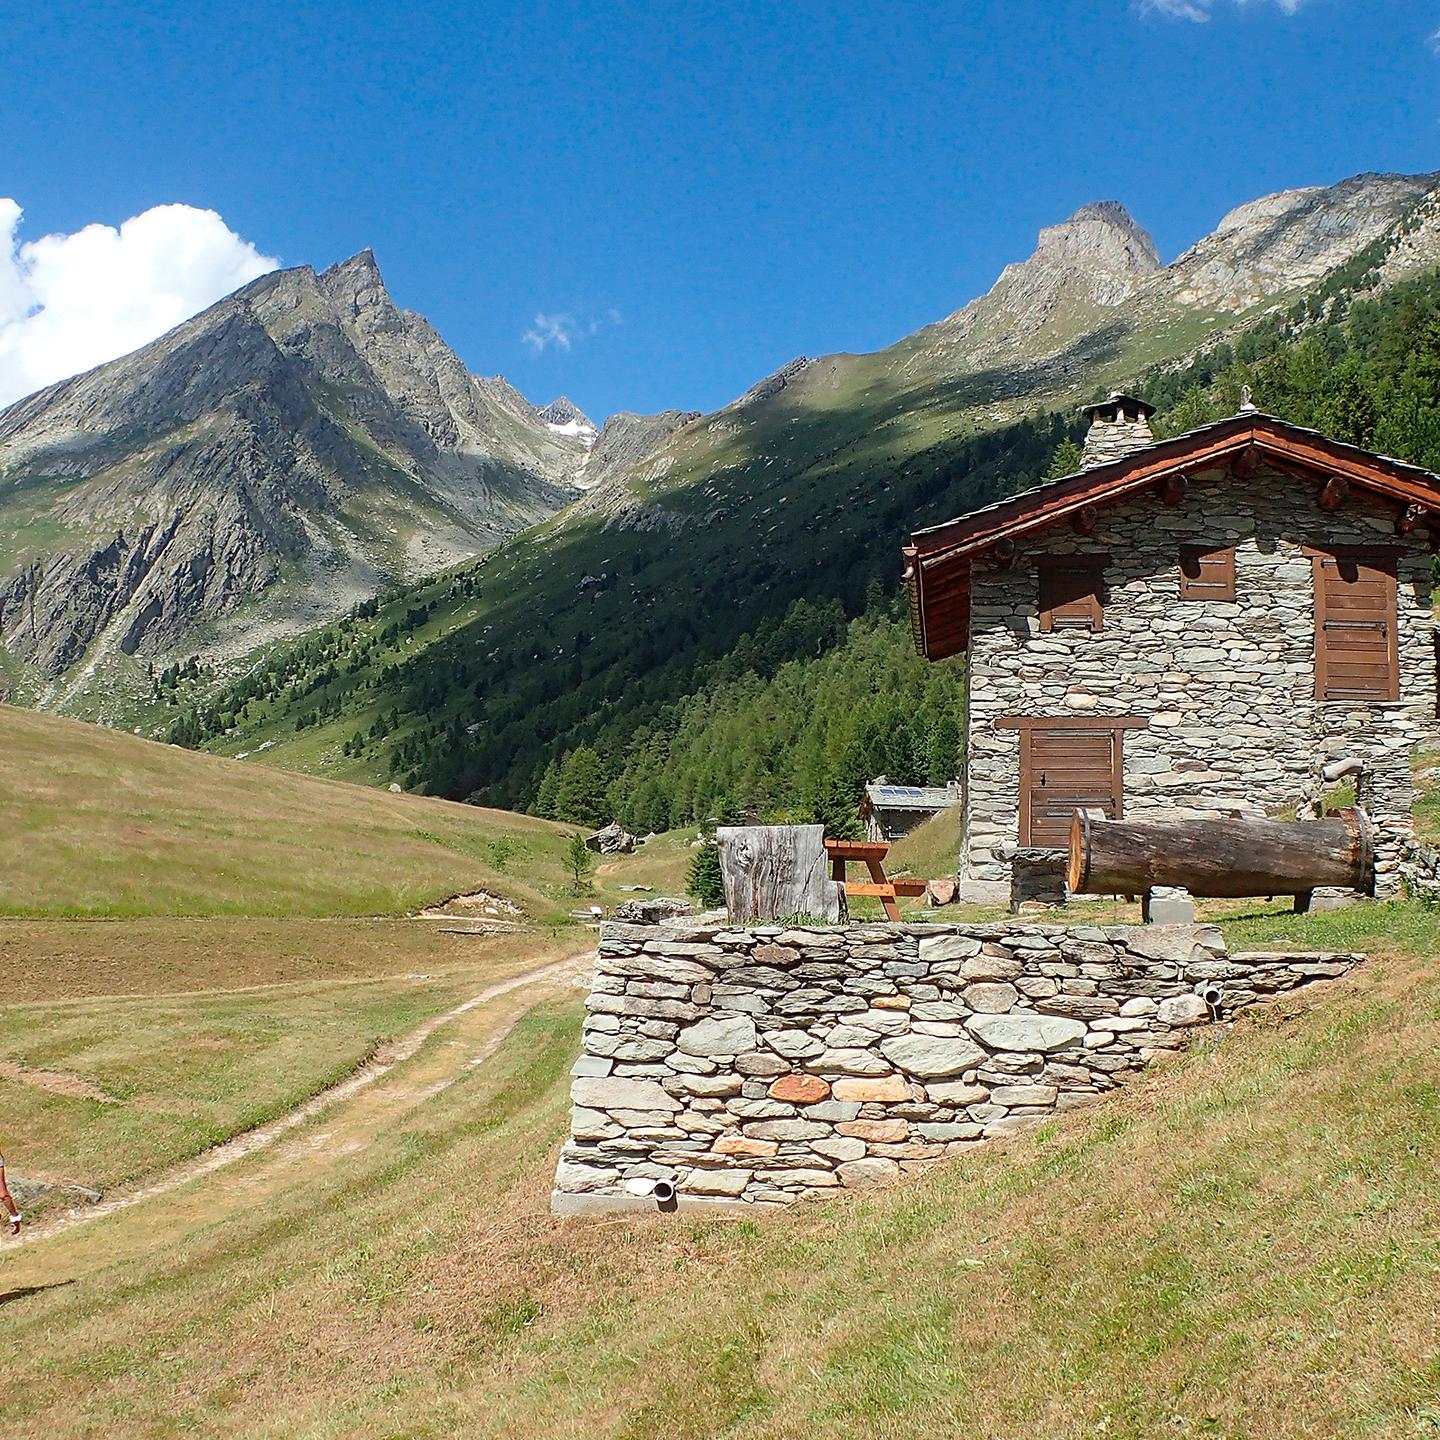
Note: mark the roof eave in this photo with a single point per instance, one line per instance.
(941, 546)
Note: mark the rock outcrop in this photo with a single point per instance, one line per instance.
(1290, 240)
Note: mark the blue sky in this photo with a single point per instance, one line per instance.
(691, 194)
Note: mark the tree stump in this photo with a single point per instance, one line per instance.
(771, 872)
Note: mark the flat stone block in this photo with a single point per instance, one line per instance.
(858, 1174)
(1171, 910)
(879, 1089)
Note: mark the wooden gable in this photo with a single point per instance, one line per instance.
(939, 561)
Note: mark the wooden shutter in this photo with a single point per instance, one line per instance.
(1068, 765)
(1207, 573)
(1356, 654)
(1071, 591)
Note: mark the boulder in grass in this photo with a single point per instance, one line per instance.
(614, 839)
(655, 911)
(940, 892)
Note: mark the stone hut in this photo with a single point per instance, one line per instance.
(890, 811)
(1196, 626)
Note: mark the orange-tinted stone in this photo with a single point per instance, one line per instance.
(883, 1131)
(744, 1145)
(867, 1089)
(891, 1002)
(800, 1089)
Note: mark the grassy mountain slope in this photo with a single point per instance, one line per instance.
(1240, 1245)
(652, 624)
(99, 823)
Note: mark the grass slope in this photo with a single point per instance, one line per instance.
(931, 850)
(99, 823)
(1239, 1245)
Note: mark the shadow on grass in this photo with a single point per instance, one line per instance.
(22, 1292)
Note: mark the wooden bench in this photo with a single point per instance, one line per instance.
(871, 854)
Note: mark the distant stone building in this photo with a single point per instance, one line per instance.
(1195, 627)
(890, 811)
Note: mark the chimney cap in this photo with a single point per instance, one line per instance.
(1117, 401)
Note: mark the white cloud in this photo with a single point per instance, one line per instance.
(1197, 10)
(1201, 10)
(564, 328)
(68, 302)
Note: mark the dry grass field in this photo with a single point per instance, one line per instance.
(126, 1046)
(1240, 1245)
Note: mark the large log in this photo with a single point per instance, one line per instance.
(773, 872)
(1219, 857)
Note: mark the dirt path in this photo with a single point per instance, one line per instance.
(442, 1072)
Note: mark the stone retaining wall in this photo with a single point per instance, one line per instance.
(755, 1066)
(1419, 867)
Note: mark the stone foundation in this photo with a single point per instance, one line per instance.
(751, 1067)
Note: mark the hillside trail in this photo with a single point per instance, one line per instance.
(362, 1105)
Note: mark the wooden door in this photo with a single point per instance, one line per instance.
(1064, 768)
(1356, 655)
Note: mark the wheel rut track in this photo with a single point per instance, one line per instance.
(381, 1063)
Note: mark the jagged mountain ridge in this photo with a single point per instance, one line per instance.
(1091, 305)
(294, 448)
(1100, 268)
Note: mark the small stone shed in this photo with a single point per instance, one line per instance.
(890, 811)
(1193, 627)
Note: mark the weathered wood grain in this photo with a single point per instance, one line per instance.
(771, 872)
(1219, 857)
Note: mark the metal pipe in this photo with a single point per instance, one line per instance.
(1339, 769)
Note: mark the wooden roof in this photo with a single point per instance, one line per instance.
(938, 560)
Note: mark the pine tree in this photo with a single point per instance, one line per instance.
(839, 809)
(942, 750)
(581, 793)
(1065, 461)
(546, 796)
(579, 862)
(704, 880)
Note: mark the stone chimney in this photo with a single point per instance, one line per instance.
(1119, 425)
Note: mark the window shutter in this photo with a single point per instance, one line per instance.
(1356, 649)
(1207, 573)
(1071, 592)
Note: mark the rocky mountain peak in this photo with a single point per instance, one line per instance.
(361, 267)
(1100, 236)
(355, 286)
(1096, 260)
(303, 430)
(563, 413)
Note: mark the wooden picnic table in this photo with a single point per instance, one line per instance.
(871, 854)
